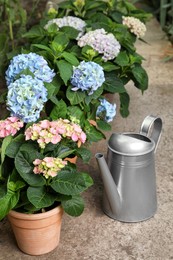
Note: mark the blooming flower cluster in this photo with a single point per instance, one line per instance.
(71, 21)
(106, 110)
(34, 63)
(87, 76)
(10, 126)
(49, 166)
(26, 97)
(101, 41)
(45, 132)
(135, 26)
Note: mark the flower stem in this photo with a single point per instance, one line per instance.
(11, 33)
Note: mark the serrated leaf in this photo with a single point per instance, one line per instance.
(140, 77)
(70, 32)
(43, 47)
(14, 146)
(103, 125)
(108, 66)
(59, 110)
(124, 104)
(71, 183)
(8, 202)
(5, 143)
(71, 58)
(75, 111)
(84, 153)
(50, 89)
(65, 70)
(35, 31)
(61, 39)
(40, 197)
(113, 84)
(75, 97)
(122, 59)
(94, 135)
(73, 207)
(95, 95)
(24, 165)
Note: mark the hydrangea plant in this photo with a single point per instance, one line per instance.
(35, 172)
(56, 98)
(92, 50)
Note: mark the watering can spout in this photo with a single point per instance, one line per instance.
(109, 184)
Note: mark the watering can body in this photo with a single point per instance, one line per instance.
(129, 174)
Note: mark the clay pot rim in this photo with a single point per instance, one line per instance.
(43, 215)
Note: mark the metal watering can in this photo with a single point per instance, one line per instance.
(129, 174)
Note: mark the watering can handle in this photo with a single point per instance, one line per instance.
(151, 127)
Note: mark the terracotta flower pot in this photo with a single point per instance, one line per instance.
(37, 234)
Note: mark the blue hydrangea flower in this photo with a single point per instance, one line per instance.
(26, 97)
(88, 76)
(106, 111)
(32, 61)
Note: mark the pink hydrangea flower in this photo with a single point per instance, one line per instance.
(10, 126)
(49, 166)
(45, 132)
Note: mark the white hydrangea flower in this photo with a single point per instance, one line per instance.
(135, 26)
(71, 21)
(101, 41)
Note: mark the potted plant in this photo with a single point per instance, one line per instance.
(36, 174)
(57, 86)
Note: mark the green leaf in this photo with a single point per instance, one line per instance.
(122, 59)
(61, 39)
(40, 197)
(75, 112)
(8, 202)
(95, 95)
(75, 97)
(113, 84)
(5, 143)
(108, 66)
(84, 153)
(59, 110)
(15, 181)
(103, 125)
(50, 89)
(14, 146)
(58, 150)
(52, 29)
(35, 31)
(24, 165)
(71, 183)
(73, 207)
(70, 32)
(124, 104)
(140, 77)
(43, 47)
(65, 70)
(93, 134)
(62, 151)
(15, 186)
(71, 58)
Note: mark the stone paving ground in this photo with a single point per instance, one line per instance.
(93, 235)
